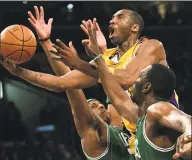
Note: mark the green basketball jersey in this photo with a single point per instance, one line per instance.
(146, 150)
(117, 148)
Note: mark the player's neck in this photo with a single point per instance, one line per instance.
(125, 46)
(148, 101)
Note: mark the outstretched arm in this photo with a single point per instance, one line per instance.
(169, 116)
(71, 80)
(87, 123)
(150, 52)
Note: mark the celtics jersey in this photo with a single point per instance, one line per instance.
(146, 150)
(117, 147)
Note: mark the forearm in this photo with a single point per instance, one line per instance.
(121, 75)
(84, 118)
(120, 100)
(87, 68)
(42, 80)
(58, 67)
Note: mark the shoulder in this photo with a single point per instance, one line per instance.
(159, 110)
(152, 47)
(151, 42)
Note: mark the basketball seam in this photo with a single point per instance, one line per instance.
(16, 51)
(12, 53)
(18, 38)
(16, 44)
(22, 45)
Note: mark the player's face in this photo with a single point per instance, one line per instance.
(120, 27)
(137, 95)
(100, 110)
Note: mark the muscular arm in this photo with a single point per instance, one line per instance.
(150, 51)
(87, 123)
(119, 99)
(169, 116)
(71, 80)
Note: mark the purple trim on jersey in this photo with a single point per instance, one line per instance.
(174, 101)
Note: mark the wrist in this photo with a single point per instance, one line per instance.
(97, 57)
(78, 63)
(47, 42)
(43, 39)
(103, 49)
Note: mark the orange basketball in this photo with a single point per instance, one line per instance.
(17, 43)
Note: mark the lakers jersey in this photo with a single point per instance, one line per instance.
(114, 62)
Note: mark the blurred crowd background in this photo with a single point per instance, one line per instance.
(38, 124)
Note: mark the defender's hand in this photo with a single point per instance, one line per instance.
(38, 22)
(91, 47)
(68, 55)
(99, 35)
(181, 141)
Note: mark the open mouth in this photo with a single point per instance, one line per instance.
(111, 31)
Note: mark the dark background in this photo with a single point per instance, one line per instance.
(25, 107)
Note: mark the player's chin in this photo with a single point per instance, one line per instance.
(105, 117)
(114, 40)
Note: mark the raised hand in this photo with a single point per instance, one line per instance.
(38, 22)
(68, 55)
(181, 141)
(91, 46)
(99, 35)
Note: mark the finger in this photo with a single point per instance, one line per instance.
(36, 12)
(90, 22)
(61, 51)
(31, 17)
(50, 21)
(89, 28)
(31, 22)
(98, 27)
(41, 13)
(84, 23)
(177, 145)
(62, 45)
(57, 58)
(177, 155)
(54, 52)
(85, 42)
(187, 139)
(180, 144)
(94, 24)
(71, 46)
(84, 29)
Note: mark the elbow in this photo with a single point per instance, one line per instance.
(157, 48)
(126, 83)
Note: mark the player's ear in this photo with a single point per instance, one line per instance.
(135, 28)
(147, 87)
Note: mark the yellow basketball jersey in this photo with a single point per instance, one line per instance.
(119, 64)
(108, 56)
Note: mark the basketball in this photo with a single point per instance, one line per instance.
(17, 43)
